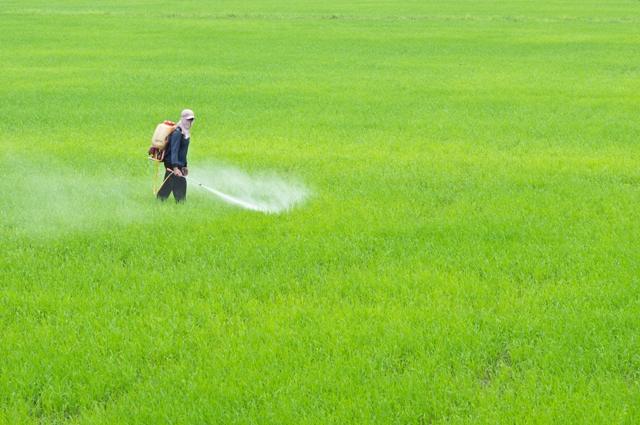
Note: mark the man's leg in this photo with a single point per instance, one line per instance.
(179, 188)
(166, 188)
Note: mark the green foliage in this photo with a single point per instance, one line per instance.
(469, 253)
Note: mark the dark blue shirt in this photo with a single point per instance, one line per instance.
(176, 152)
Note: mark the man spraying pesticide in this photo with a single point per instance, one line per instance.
(170, 144)
(174, 155)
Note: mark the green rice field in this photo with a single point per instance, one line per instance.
(459, 241)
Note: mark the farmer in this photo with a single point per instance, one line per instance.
(175, 159)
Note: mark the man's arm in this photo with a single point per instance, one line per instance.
(176, 138)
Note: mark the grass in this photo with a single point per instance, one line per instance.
(468, 255)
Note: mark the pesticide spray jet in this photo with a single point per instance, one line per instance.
(265, 192)
(231, 199)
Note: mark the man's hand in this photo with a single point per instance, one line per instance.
(186, 171)
(176, 171)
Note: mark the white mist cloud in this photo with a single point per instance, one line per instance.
(260, 192)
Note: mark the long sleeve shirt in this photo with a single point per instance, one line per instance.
(176, 152)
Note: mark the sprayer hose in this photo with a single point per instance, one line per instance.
(155, 181)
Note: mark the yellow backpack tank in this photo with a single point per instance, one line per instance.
(160, 139)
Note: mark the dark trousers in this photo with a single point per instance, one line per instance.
(175, 184)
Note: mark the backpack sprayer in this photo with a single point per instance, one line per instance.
(158, 145)
(160, 139)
